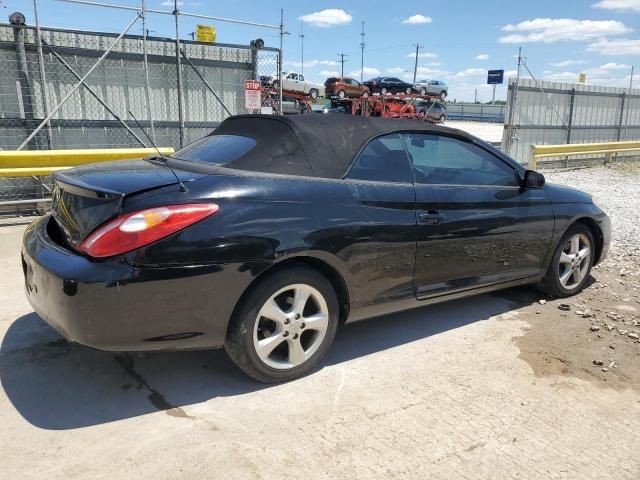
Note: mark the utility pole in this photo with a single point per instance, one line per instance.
(415, 68)
(342, 60)
(476, 97)
(362, 56)
(631, 80)
(301, 49)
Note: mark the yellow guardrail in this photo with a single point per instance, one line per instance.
(29, 163)
(568, 150)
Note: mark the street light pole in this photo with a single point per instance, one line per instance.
(301, 49)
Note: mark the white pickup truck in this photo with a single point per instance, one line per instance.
(295, 82)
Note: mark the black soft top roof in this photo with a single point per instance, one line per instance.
(319, 145)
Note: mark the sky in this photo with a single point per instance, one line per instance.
(459, 39)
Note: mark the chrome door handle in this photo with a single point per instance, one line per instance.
(431, 217)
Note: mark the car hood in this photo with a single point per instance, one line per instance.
(563, 194)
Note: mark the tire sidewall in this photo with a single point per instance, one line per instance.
(552, 278)
(242, 329)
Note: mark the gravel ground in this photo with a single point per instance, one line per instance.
(616, 190)
(490, 132)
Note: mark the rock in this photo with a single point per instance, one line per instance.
(542, 302)
(633, 336)
(598, 362)
(538, 312)
(612, 347)
(564, 306)
(605, 369)
(594, 328)
(579, 312)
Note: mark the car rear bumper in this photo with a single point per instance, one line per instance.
(111, 305)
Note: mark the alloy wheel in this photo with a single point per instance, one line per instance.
(291, 326)
(575, 260)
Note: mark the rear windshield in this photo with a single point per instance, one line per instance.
(218, 150)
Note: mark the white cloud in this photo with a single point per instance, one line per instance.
(417, 19)
(510, 73)
(615, 47)
(367, 72)
(619, 5)
(472, 72)
(609, 74)
(329, 73)
(549, 30)
(614, 66)
(482, 56)
(433, 64)
(566, 63)
(310, 63)
(169, 3)
(395, 70)
(331, 17)
(422, 55)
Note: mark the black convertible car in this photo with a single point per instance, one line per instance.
(267, 234)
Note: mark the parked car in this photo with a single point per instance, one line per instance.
(343, 87)
(434, 110)
(292, 105)
(388, 85)
(393, 107)
(432, 87)
(267, 234)
(295, 82)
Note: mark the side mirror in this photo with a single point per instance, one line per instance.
(533, 179)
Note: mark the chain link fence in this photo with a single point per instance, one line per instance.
(135, 86)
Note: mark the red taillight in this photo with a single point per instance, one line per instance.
(134, 230)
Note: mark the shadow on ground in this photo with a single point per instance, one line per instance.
(57, 385)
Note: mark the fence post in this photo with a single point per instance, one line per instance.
(43, 78)
(623, 99)
(25, 93)
(179, 73)
(570, 122)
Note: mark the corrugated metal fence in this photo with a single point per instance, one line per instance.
(557, 113)
(476, 112)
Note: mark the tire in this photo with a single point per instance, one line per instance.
(442, 119)
(313, 93)
(408, 91)
(443, 95)
(383, 90)
(423, 91)
(341, 94)
(250, 326)
(559, 281)
(365, 94)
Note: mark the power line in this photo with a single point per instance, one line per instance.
(362, 55)
(415, 68)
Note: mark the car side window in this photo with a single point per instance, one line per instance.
(442, 160)
(384, 159)
(293, 76)
(301, 77)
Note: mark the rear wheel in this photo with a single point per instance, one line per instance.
(408, 90)
(571, 263)
(442, 119)
(383, 90)
(313, 93)
(285, 325)
(423, 91)
(443, 95)
(341, 94)
(365, 94)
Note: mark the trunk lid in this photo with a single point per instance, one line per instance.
(87, 196)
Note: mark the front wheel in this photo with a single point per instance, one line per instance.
(341, 94)
(383, 91)
(443, 95)
(284, 326)
(442, 119)
(423, 91)
(571, 264)
(407, 91)
(313, 93)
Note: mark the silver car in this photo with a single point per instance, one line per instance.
(432, 87)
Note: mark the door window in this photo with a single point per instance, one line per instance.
(383, 160)
(301, 77)
(293, 76)
(445, 160)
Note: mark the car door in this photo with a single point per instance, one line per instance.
(476, 225)
(381, 251)
(301, 84)
(290, 82)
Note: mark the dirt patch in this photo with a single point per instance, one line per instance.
(595, 340)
